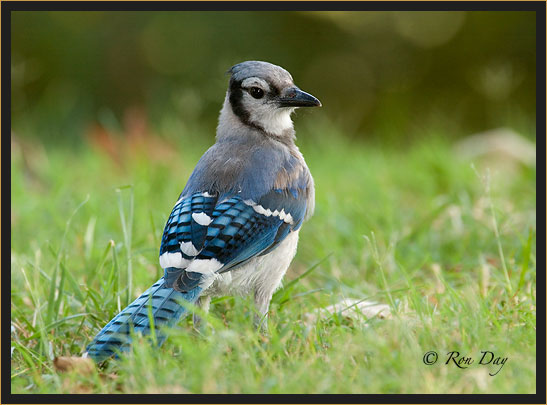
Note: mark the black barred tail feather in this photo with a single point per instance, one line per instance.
(165, 308)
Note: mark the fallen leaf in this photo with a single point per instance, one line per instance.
(83, 365)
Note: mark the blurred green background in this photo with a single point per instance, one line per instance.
(388, 76)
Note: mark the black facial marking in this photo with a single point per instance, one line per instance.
(236, 101)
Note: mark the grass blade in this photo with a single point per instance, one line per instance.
(127, 226)
(60, 291)
(525, 259)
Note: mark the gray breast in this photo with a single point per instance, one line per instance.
(247, 167)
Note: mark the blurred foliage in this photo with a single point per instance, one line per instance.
(386, 75)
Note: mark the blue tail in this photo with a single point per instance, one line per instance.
(166, 310)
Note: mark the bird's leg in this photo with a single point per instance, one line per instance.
(203, 303)
(262, 303)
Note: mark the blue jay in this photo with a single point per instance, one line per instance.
(234, 228)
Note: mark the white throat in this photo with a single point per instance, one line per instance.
(274, 121)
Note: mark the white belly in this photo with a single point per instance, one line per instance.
(261, 275)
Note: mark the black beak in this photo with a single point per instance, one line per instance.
(294, 97)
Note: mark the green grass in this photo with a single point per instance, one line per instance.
(418, 228)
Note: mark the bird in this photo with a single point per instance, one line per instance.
(234, 228)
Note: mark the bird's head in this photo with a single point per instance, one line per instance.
(263, 96)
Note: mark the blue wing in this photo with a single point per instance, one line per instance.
(228, 229)
(182, 226)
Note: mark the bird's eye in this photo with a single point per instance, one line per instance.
(256, 92)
